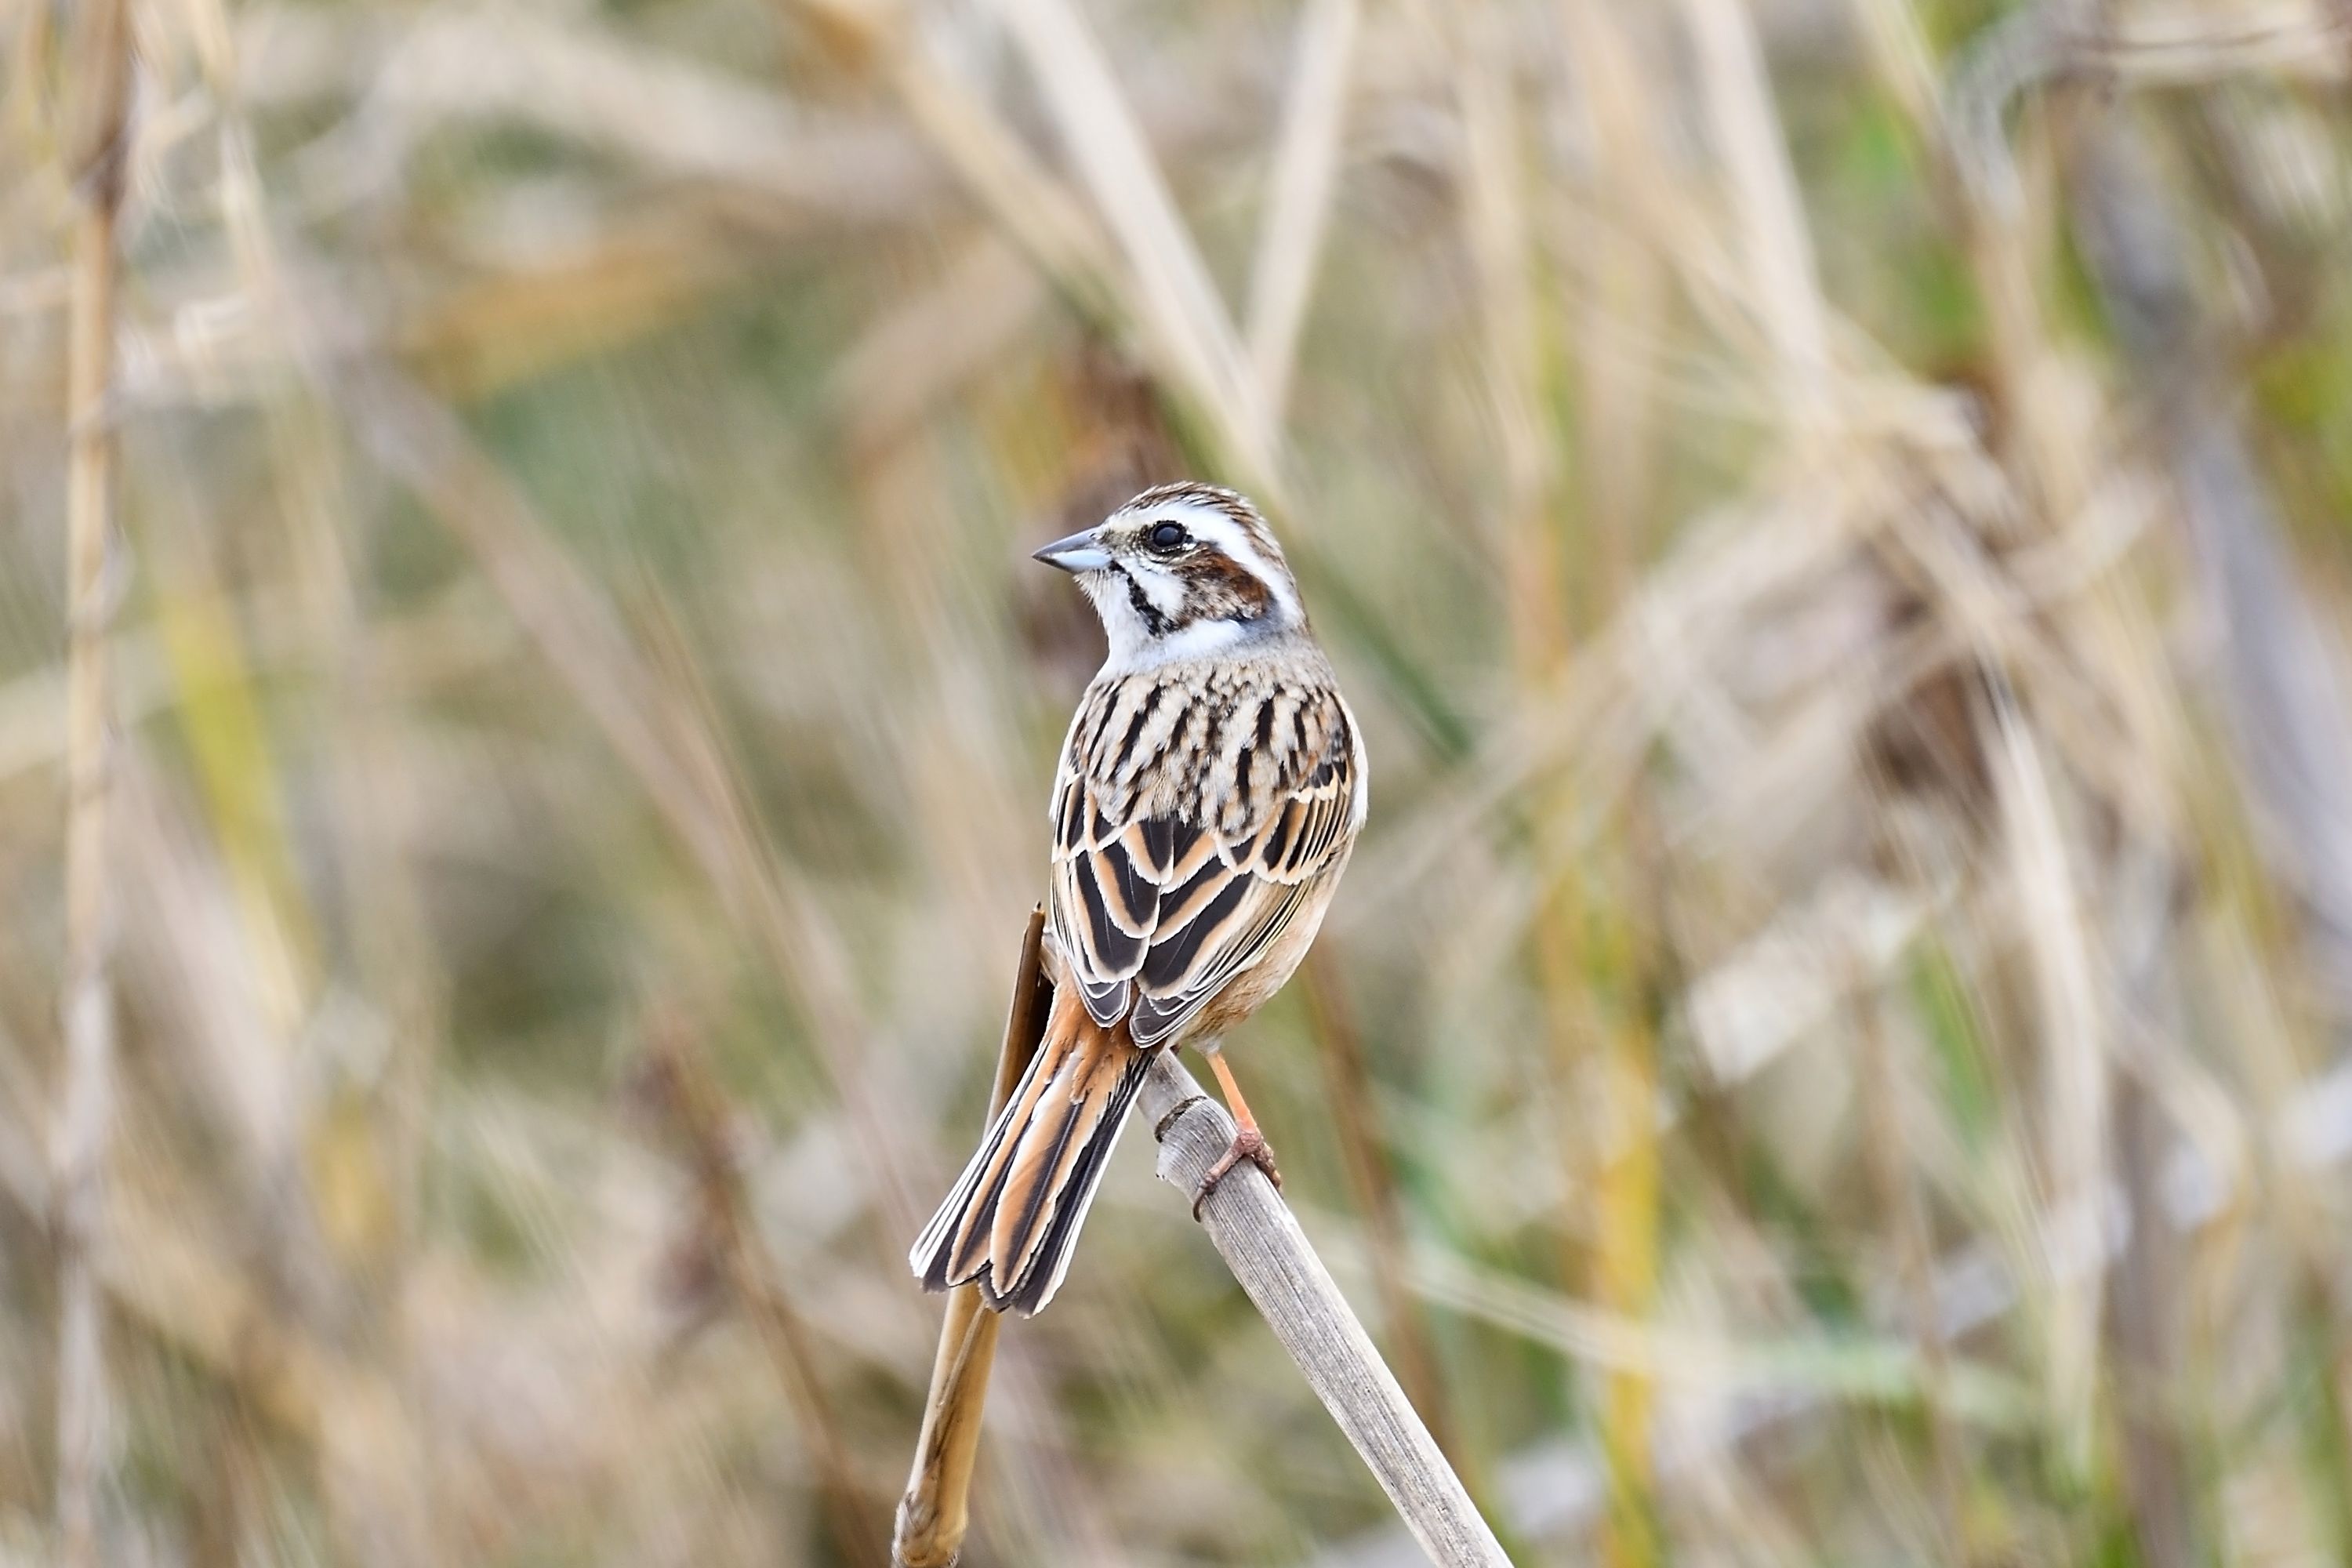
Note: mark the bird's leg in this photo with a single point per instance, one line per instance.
(1248, 1144)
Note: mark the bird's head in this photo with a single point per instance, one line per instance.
(1181, 572)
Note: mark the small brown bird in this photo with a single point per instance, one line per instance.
(1210, 792)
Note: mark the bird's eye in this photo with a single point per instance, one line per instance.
(1170, 537)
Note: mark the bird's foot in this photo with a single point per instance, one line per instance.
(1249, 1144)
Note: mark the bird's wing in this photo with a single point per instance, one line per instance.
(1156, 914)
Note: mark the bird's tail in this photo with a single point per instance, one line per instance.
(1014, 1215)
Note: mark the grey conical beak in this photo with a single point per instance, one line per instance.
(1079, 552)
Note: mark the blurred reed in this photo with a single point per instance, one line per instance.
(93, 155)
(1833, 1047)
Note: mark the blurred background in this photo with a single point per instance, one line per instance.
(1831, 514)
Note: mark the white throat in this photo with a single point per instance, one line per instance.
(1135, 646)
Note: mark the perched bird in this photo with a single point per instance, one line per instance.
(1209, 794)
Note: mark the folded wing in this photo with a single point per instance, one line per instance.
(1156, 914)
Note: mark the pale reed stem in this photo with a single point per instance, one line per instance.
(95, 152)
(1287, 1283)
(936, 1509)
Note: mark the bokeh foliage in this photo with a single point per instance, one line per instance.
(1832, 517)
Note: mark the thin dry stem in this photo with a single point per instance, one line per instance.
(1596, 580)
(704, 1117)
(669, 743)
(97, 154)
(1626, 1269)
(1749, 141)
(1298, 200)
(1287, 1283)
(1179, 300)
(1903, 1216)
(935, 1510)
(2075, 1128)
(1497, 238)
(1374, 1182)
(1625, 303)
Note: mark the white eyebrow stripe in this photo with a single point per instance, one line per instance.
(1213, 524)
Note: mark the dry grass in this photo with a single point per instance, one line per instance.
(1834, 1048)
(93, 155)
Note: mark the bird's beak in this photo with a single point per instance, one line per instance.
(1079, 552)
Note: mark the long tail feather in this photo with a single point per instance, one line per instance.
(1014, 1215)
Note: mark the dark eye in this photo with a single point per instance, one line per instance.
(1169, 538)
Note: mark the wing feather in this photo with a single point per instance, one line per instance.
(1131, 898)
(1208, 967)
(1174, 953)
(1156, 912)
(1150, 845)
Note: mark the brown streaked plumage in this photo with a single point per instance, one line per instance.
(1210, 789)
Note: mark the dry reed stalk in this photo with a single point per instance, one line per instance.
(96, 154)
(2283, 694)
(1497, 237)
(2287, 725)
(1031, 208)
(699, 1111)
(1903, 1215)
(1298, 198)
(2149, 1311)
(670, 744)
(2049, 467)
(1750, 141)
(1287, 1283)
(1625, 1265)
(1370, 1174)
(328, 1259)
(514, 327)
(935, 1510)
(2043, 445)
(161, 1282)
(1624, 313)
(235, 776)
(1623, 310)
(930, 346)
(2073, 1034)
(1180, 300)
(382, 906)
(1139, 267)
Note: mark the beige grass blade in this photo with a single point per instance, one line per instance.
(1750, 141)
(1181, 305)
(664, 741)
(2043, 881)
(1298, 199)
(96, 157)
(935, 1511)
(1287, 1283)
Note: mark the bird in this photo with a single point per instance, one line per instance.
(1210, 792)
